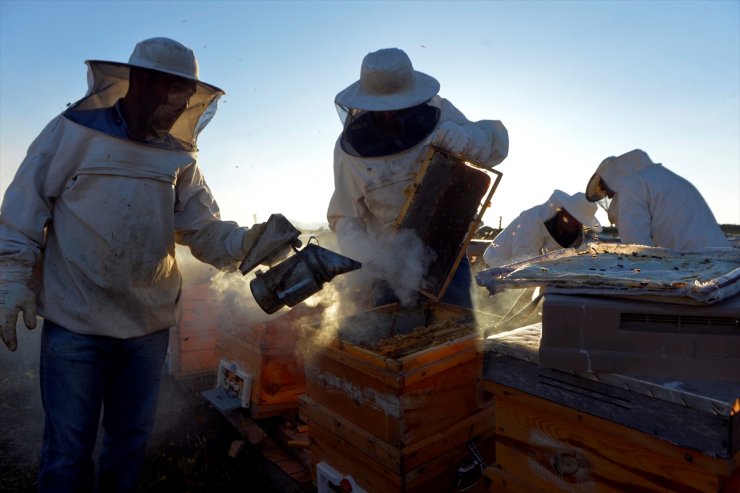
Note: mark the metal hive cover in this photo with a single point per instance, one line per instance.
(627, 270)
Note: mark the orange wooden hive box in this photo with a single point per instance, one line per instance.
(394, 399)
(268, 352)
(563, 432)
(193, 340)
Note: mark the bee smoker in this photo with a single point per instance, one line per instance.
(298, 277)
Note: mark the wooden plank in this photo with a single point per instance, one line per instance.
(708, 433)
(356, 395)
(197, 339)
(376, 449)
(499, 481)
(446, 359)
(423, 358)
(248, 429)
(369, 474)
(440, 475)
(433, 471)
(285, 471)
(435, 404)
(398, 416)
(399, 461)
(359, 359)
(262, 411)
(481, 424)
(556, 448)
(198, 361)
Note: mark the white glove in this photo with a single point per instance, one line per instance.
(451, 137)
(14, 298)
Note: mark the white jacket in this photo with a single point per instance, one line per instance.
(656, 207)
(106, 213)
(525, 237)
(369, 192)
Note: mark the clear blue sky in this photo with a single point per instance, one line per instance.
(573, 81)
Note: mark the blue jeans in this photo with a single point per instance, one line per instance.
(79, 375)
(457, 293)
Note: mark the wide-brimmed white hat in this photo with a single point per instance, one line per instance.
(579, 207)
(388, 82)
(164, 55)
(108, 82)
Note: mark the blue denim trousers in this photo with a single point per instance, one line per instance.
(79, 376)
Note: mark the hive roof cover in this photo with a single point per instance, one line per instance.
(610, 269)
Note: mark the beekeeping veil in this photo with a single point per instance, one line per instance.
(388, 83)
(109, 81)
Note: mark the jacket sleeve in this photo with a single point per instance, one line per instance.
(27, 206)
(523, 238)
(635, 223)
(488, 140)
(198, 223)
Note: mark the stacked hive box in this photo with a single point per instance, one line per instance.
(268, 352)
(192, 348)
(398, 421)
(606, 433)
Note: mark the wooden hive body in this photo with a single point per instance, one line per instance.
(398, 420)
(268, 351)
(193, 340)
(605, 433)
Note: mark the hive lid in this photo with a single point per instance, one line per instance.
(608, 269)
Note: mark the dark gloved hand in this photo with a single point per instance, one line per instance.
(15, 297)
(251, 236)
(268, 243)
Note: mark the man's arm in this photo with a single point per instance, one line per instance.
(24, 214)
(198, 223)
(485, 142)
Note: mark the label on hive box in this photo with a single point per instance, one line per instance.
(233, 387)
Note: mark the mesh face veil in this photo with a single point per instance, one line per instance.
(108, 82)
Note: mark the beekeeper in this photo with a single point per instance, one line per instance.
(558, 223)
(652, 205)
(391, 116)
(94, 212)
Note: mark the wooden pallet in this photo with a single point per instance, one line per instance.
(286, 463)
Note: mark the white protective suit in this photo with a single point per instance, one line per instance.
(118, 207)
(655, 207)
(526, 236)
(369, 192)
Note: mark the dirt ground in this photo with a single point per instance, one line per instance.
(188, 451)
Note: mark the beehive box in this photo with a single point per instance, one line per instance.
(193, 340)
(267, 351)
(400, 375)
(562, 431)
(427, 466)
